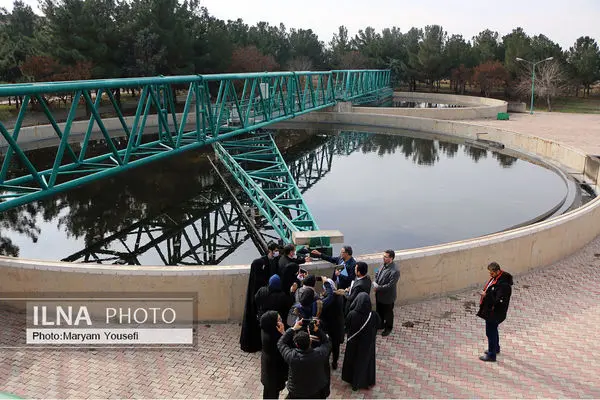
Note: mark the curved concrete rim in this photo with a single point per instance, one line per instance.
(239, 268)
(443, 98)
(471, 107)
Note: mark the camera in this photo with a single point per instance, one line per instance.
(309, 323)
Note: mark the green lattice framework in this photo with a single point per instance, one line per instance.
(217, 107)
(258, 166)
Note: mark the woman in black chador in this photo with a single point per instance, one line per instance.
(359, 358)
(273, 369)
(260, 272)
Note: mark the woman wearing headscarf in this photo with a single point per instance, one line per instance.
(359, 358)
(272, 298)
(332, 319)
(273, 369)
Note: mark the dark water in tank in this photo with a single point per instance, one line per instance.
(382, 191)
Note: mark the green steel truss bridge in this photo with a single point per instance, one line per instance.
(224, 110)
(212, 227)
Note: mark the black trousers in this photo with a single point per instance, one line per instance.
(317, 395)
(386, 313)
(270, 393)
(335, 349)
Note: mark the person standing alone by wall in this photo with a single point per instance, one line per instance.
(386, 279)
(493, 306)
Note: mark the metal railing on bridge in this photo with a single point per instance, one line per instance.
(216, 107)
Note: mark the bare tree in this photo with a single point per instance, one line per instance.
(301, 63)
(550, 82)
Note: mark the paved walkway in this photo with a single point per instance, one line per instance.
(576, 130)
(549, 345)
(549, 342)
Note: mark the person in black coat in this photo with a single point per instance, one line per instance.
(332, 319)
(362, 284)
(289, 256)
(359, 358)
(273, 369)
(307, 379)
(271, 297)
(250, 336)
(260, 271)
(495, 299)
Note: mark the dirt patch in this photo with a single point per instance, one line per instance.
(469, 306)
(446, 315)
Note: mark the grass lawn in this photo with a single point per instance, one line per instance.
(566, 104)
(7, 112)
(581, 105)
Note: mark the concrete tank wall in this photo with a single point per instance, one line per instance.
(426, 272)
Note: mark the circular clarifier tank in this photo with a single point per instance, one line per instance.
(381, 189)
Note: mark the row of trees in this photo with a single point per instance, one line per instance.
(81, 39)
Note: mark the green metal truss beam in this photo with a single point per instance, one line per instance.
(216, 108)
(256, 164)
(259, 168)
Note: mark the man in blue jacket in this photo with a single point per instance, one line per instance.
(344, 272)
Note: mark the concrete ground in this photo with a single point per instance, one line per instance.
(549, 341)
(576, 130)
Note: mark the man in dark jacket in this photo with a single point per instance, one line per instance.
(361, 284)
(307, 378)
(495, 298)
(343, 275)
(289, 267)
(289, 256)
(386, 279)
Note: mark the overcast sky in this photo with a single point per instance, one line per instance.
(562, 21)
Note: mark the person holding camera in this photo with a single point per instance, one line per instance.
(307, 378)
(309, 304)
(343, 275)
(289, 268)
(273, 369)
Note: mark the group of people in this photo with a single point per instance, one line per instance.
(298, 329)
